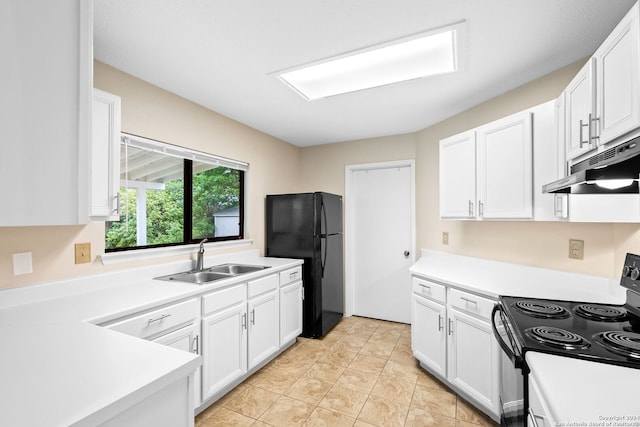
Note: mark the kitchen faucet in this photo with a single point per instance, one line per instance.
(200, 261)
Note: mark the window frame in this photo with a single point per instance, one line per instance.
(188, 157)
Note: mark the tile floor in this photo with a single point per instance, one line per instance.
(361, 374)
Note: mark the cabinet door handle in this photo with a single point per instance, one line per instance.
(470, 301)
(196, 345)
(470, 208)
(244, 321)
(450, 326)
(439, 322)
(582, 125)
(480, 208)
(594, 134)
(253, 316)
(158, 319)
(117, 199)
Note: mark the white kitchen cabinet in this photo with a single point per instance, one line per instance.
(458, 176)
(472, 359)
(505, 168)
(264, 331)
(580, 111)
(105, 157)
(46, 83)
(549, 160)
(428, 336)
(451, 337)
(291, 295)
(618, 79)
(224, 339)
(487, 173)
(186, 339)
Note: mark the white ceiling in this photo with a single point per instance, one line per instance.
(221, 53)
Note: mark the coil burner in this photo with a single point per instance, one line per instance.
(558, 338)
(601, 313)
(542, 309)
(620, 342)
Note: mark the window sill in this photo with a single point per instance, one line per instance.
(140, 254)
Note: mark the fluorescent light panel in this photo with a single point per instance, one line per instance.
(416, 57)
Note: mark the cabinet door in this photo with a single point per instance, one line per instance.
(290, 312)
(186, 339)
(224, 348)
(473, 358)
(45, 111)
(505, 168)
(618, 79)
(458, 176)
(579, 108)
(105, 157)
(264, 333)
(428, 336)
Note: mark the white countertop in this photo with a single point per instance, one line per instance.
(582, 392)
(57, 369)
(495, 278)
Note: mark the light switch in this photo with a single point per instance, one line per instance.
(22, 263)
(83, 253)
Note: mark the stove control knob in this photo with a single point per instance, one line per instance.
(635, 273)
(626, 271)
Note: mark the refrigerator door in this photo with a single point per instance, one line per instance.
(332, 282)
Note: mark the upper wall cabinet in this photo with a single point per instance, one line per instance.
(105, 157)
(618, 79)
(458, 176)
(487, 173)
(603, 100)
(580, 107)
(46, 81)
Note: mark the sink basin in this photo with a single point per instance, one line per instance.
(196, 277)
(236, 269)
(218, 272)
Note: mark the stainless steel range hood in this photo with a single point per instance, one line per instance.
(613, 171)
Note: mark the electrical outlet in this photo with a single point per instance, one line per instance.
(576, 249)
(445, 237)
(83, 253)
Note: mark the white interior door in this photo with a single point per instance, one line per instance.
(381, 236)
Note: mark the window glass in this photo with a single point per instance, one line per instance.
(168, 200)
(216, 201)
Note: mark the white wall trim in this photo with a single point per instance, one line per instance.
(349, 247)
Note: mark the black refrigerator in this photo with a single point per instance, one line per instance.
(309, 226)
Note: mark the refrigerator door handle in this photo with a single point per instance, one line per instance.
(323, 261)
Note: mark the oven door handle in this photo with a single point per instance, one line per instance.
(517, 360)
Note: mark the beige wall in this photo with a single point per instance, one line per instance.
(154, 113)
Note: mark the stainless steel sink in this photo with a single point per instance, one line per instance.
(218, 272)
(197, 277)
(236, 269)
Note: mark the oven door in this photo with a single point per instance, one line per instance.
(513, 381)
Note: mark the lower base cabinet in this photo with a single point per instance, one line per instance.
(451, 336)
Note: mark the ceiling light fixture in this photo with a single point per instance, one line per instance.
(414, 57)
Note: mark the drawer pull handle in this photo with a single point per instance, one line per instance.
(293, 275)
(469, 300)
(158, 319)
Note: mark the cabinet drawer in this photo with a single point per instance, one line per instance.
(471, 303)
(265, 284)
(291, 275)
(224, 298)
(429, 290)
(158, 321)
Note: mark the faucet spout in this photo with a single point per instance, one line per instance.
(200, 259)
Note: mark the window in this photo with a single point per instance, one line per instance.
(172, 196)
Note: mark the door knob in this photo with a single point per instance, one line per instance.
(407, 253)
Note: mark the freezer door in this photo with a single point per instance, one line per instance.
(329, 211)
